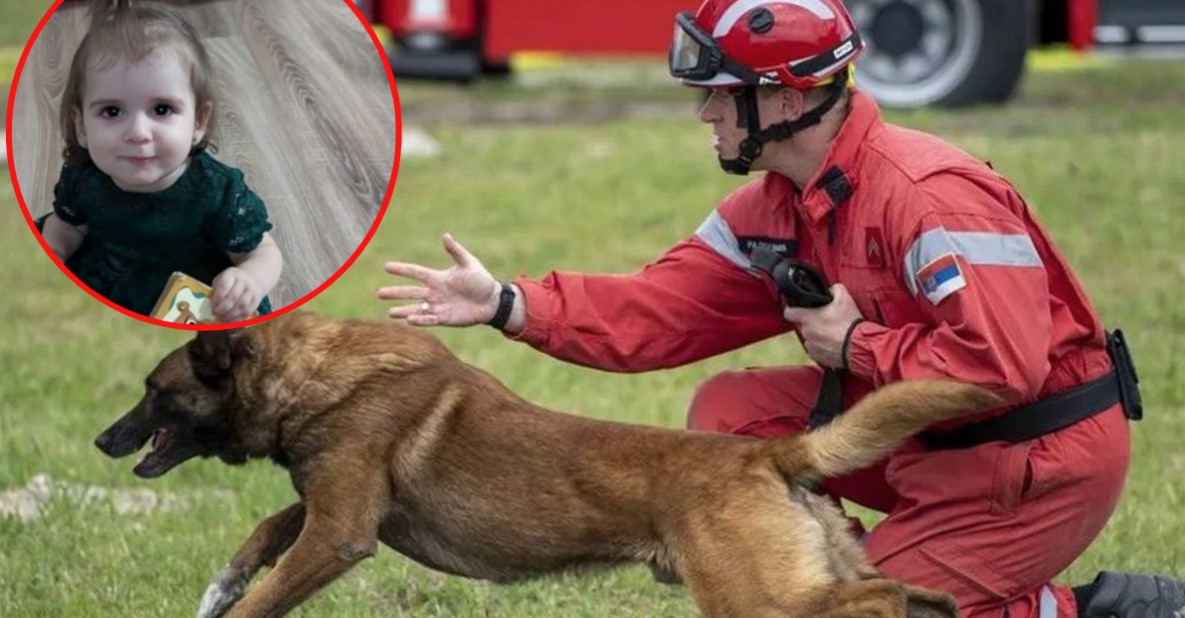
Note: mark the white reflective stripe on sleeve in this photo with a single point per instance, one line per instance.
(738, 9)
(981, 248)
(715, 231)
(1048, 603)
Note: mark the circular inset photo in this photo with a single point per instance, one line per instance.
(204, 164)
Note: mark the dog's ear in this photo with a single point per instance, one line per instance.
(214, 347)
(215, 351)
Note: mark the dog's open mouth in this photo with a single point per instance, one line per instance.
(150, 465)
(173, 437)
(170, 447)
(160, 439)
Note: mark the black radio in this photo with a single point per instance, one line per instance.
(800, 284)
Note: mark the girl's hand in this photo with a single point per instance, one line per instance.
(236, 295)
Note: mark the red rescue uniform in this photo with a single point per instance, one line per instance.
(955, 279)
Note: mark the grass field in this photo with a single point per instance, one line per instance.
(589, 178)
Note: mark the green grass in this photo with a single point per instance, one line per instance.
(1096, 152)
(18, 19)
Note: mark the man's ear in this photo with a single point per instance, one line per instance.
(79, 127)
(201, 120)
(791, 103)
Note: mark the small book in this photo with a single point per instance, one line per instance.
(186, 300)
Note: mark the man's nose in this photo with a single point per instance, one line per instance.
(138, 130)
(709, 112)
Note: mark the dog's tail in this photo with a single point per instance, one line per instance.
(875, 426)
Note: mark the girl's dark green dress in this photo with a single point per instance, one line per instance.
(137, 240)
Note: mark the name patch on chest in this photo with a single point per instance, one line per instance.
(784, 247)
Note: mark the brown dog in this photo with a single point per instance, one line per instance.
(389, 437)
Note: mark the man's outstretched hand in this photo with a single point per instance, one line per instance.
(461, 295)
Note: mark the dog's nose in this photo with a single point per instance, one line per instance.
(103, 442)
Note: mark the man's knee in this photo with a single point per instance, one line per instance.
(715, 402)
(760, 402)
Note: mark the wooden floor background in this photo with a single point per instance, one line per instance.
(304, 109)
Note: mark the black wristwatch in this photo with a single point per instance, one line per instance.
(505, 305)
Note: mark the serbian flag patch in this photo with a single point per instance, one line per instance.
(941, 278)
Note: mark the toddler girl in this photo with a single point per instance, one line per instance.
(139, 195)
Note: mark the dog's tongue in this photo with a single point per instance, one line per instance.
(159, 439)
(147, 466)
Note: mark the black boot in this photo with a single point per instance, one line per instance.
(1131, 595)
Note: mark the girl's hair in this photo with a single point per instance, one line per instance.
(127, 30)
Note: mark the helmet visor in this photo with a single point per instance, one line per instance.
(694, 55)
(697, 59)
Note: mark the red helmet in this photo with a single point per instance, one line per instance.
(798, 43)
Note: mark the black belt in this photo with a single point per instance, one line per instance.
(1034, 420)
(1119, 385)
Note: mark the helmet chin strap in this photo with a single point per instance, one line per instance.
(752, 145)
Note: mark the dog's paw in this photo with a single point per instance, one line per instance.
(222, 593)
